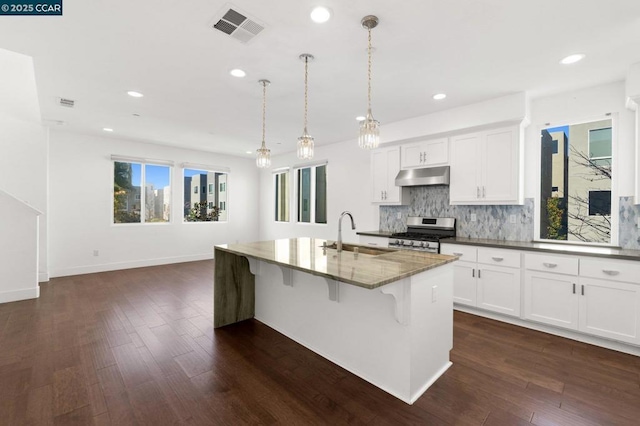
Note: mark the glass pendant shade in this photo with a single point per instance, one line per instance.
(305, 146)
(369, 132)
(263, 161)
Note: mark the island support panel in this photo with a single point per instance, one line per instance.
(233, 289)
(363, 331)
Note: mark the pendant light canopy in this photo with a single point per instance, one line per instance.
(369, 128)
(305, 142)
(263, 160)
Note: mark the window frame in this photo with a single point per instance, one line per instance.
(143, 189)
(312, 195)
(282, 172)
(615, 198)
(208, 169)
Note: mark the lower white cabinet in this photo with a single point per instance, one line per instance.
(481, 281)
(551, 299)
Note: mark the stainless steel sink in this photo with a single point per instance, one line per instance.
(360, 249)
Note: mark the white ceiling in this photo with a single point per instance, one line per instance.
(470, 49)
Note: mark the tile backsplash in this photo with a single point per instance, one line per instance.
(492, 222)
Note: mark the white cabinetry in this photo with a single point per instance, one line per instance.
(370, 240)
(550, 289)
(425, 154)
(486, 278)
(486, 167)
(385, 165)
(610, 299)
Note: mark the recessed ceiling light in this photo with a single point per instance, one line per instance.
(135, 94)
(237, 72)
(439, 96)
(249, 152)
(360, 118)
(107, 129)
(320, 14)
(572, 59)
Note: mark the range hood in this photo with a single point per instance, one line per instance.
(426, 176)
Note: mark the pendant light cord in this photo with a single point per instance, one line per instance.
(369, 73)
(264, 111)
(306, 77)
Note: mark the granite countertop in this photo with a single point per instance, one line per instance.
(580, 250)
(363, 270)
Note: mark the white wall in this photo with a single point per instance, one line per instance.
(348, 188)
(81, 186)
(23, 142)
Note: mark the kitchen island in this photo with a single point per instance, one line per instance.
(384, 315)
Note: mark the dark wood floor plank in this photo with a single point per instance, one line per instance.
(138, 347)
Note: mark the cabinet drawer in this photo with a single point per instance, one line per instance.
(467, 253)
(498, 257)
(610, 270)
(551, 263)
(370, 240)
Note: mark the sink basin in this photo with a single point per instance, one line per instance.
(361, 249)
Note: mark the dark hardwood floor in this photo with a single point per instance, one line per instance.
(138, 347)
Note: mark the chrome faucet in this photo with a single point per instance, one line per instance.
(353, 226)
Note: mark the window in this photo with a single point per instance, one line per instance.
(134, 182)
(203, 206)
(281, 183)
(575, 182)
(312, 194)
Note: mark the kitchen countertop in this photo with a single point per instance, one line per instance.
(363, 270)
(580, 250)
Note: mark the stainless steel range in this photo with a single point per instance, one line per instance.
(424, 233)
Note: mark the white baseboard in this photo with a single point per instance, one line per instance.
(105, 267)
(43, 277)
(580, 337)
(23, 294)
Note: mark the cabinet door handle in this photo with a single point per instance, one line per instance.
(610, 272)
(574, 288)
(498, 259)
(473, 273)
(373, 244)
(421, 157)
(484, 195)
(477, 192)
(582, 291)
(479, 273)
(385, 195)
(550, 265)
(456, 253)
(424, 156)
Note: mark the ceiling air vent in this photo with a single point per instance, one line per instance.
(237, 24)
(69, 103)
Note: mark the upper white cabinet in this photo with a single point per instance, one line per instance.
(425, 154)
(385, 165)
(486, 167)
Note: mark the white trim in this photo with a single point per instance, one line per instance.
(23, 294)
(43, 277)
(80, 270)
(206, 167)
(311, 164)
(128, 159)
(281, 170)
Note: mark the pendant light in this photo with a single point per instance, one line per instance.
(305, 142)
(263, 160)
(369, 128)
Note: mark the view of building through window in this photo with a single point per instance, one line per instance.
(134, 182)
(205, 196)
(575, 182)
(281, 183)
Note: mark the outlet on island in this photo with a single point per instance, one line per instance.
(473, 217)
